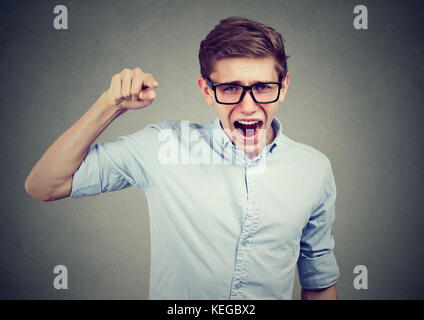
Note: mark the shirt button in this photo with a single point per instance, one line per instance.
(244, 242)
(239, 285)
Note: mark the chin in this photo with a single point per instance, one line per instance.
(252, 148)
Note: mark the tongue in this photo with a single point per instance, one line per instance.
(248, 129)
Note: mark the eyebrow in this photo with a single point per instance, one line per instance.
(253, 83)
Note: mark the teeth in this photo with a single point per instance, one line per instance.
(247, 122)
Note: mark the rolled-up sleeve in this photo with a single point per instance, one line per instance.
(114, 166)
(317, 265)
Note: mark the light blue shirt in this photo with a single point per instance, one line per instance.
(223, 226)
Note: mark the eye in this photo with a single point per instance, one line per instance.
(262, 87)
(229, 88)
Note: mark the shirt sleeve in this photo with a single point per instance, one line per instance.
(114, 166)
(317, 265)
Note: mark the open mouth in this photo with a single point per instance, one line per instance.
(248, 128)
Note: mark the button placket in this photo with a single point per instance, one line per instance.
(253, 216)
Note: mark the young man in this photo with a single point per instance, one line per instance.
(234, 204)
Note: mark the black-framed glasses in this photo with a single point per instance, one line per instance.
(233, 93)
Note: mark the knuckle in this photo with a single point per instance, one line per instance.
(136, 84)
(126, 71)
(136, 79)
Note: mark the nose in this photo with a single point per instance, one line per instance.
(248, 105)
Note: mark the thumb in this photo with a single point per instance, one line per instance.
(147, 94)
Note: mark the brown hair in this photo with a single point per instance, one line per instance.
(241, 37)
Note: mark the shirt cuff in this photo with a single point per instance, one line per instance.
(86, 180)
(318, 272)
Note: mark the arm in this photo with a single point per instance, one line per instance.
(329, 293)
(51, 177)
(317, 265)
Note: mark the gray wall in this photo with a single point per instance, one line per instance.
(354, 95)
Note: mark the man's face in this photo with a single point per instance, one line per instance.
(245, 71)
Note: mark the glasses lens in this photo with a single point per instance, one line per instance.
(263, 92)
(229, 93)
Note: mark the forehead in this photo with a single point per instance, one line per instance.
(245, 70)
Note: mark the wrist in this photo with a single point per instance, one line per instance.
(108, 102)
(106, 109)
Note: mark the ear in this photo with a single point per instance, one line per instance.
(285, 85)
(206, 91)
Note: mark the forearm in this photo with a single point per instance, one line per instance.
(63, 157)
(329, 293)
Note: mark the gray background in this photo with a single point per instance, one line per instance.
(354, 95)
